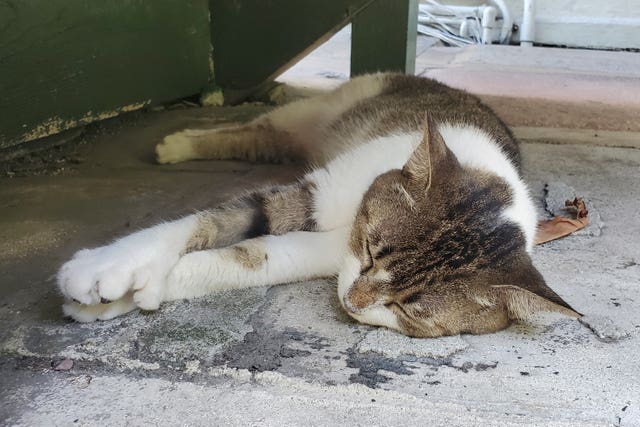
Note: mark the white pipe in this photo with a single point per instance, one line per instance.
(464, 29)
(507, 21)
(528, 27)
(452, 10)
(488, 24)
(452, 19)
(438, 20)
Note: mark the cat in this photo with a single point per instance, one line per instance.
(416, 201)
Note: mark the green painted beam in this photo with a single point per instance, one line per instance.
(64, 63)
(256, 40)
(69, 62)
(383, 37)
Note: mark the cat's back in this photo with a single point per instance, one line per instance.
(402, 105)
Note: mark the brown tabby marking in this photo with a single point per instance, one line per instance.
(290, 208)
(258, 141)
(274, 210)
(405, 99)
(250, 254)
(205, 235)
(447, 262)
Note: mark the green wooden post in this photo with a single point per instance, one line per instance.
(383, 37)
(256, 40)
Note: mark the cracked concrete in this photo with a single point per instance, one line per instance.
(288, 355)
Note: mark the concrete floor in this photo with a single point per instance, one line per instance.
(288, 355)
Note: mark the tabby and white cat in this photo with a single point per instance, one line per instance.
(417, 203)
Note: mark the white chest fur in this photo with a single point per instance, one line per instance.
(341, 184)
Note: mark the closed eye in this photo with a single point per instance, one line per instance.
(412, 298)
(383, 252)
(368, 259)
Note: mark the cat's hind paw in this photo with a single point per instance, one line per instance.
(177, 147)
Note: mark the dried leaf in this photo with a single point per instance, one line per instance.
(561, 226)
(579, 205)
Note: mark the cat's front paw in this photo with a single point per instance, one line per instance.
(97, 278)
(102, 275)
(90, 313)
(131, 271)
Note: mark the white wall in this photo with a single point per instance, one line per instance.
(579, 23)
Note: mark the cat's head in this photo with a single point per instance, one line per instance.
(431, 252)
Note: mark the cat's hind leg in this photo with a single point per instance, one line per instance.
(295, 131)
(256, 142)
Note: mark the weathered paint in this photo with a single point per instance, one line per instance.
(58, 124)
(69, 62)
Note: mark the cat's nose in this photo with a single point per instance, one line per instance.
(349, 307)
(360, 296)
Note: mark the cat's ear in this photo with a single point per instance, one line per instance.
(525, 293)
(432, 160)
(522, 304)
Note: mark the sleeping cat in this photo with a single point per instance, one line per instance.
(416, 202)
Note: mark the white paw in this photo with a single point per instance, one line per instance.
(177, 147)
(106, 274)
(131, 272)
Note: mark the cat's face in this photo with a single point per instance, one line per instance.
(431, 253)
